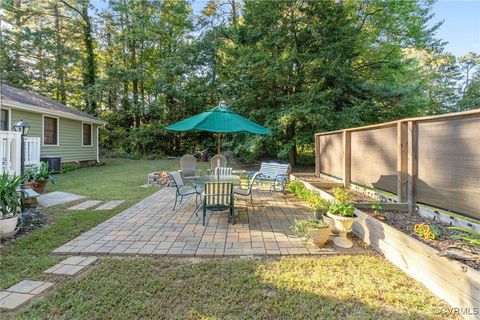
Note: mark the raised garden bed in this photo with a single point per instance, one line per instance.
(456, 282)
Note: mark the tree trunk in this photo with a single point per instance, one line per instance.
(90, 62)
(292, 153)
(60, 95)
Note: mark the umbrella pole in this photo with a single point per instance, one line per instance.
(218, 155)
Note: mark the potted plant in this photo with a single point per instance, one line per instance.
(321, 208)
(29, 178)
(376, 206)
(10, 203)
(317, 231)
(38, 179)
(343, 213)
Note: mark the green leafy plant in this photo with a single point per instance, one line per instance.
(376, 205)
(342, 195)
(467, 235)
(10, 194)
(301, 227)
(39, 174)
(29, 175)
(343, 209)
(426, 231)
(43, 173)
(68, 168)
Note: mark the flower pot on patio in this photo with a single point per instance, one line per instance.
(319, 236)
(7, 226)
(331, 223)
(317, 231)
(344, 226)
(39, 186)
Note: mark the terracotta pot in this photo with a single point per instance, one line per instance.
(39, 186)
(319, 236)
(29, 184)
(7, 226)
(344, 226)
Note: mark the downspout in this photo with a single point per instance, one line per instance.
(98, 144)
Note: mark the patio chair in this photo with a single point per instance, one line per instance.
(218, 196)
(223, 171)
(188, 165)
(247, 192)
(182, 189)
(214, 163)
(277, 173)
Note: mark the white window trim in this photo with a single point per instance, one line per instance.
(9, 119)
(91, 135)
(43, 131)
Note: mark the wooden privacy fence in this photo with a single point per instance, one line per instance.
(431, 160)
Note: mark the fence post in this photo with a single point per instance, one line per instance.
(317, 154)
(347, 158)
(412, 165)
(402, 161)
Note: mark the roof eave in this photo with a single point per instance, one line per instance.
(36, 109)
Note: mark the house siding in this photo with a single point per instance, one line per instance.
(70, 148)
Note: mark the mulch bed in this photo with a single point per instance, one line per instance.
(404, 221)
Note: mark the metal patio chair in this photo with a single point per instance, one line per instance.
(182, 189)
(247, 192)
(218, 196)
(223, 171)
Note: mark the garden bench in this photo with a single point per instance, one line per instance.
(275, 172)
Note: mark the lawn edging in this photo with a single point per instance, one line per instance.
(452, 281)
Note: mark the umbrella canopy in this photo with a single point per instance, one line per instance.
(219, 120)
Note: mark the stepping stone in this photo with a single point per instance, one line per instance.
(30, 287)
(12, 300)
(71, 265)
(57, 197)
(85, 205)
(110, 205)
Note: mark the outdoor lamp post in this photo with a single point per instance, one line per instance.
(22, 127)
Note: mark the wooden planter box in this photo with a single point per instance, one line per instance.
(452, 281)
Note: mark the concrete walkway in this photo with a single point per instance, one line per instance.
(151, 227)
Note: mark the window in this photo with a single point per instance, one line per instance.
(4, 120)
(87, 134)
(50, 131)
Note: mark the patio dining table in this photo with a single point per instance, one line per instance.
(201, 180)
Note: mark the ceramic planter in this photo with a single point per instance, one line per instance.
(331, 223)
(7, 226)
(319, 236)
(344, 226)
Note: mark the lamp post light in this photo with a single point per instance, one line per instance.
(22, 127)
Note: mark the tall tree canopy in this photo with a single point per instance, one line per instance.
(297, 66)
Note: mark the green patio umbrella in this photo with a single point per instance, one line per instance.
(218, 120)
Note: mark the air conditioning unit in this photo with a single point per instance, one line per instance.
(54, 163)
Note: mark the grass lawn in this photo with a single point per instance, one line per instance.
(345, 287)
(350, 287)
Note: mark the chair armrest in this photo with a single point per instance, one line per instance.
(280, 177)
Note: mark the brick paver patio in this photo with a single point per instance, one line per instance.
(151, 227)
